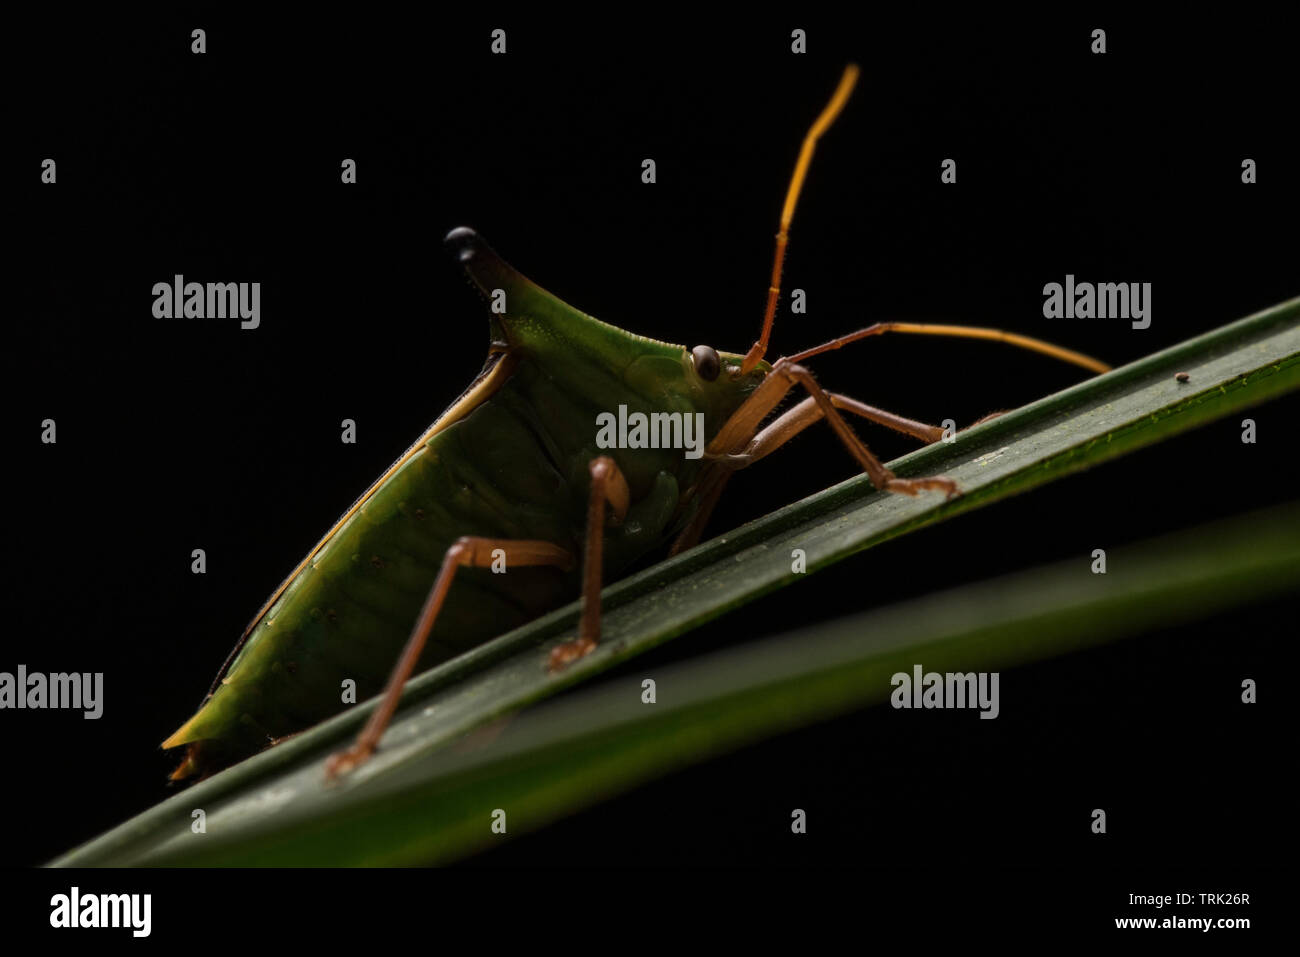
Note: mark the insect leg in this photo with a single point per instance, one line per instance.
(772, 437)
(464, 552)
(776, 434)
(808, 412)
(737, 432)
(608, 487)
(917, 430)
(710, 490)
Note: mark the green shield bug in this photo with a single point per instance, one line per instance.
(578, 449)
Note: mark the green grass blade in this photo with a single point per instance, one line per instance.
(1247, 362)
(574, 752)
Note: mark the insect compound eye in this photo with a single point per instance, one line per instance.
(706, 362)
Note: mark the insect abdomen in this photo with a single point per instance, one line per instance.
(347, 612)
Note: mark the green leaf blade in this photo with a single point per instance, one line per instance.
(1244, 363)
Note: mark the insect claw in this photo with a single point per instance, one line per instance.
(916, 486)
(988, 418)
(345, 762)
(570, 651)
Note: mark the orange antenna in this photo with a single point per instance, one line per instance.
(823, 122)
(959, 332)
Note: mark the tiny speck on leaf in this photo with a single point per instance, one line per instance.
(1183, 377)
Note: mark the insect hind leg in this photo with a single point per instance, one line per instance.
(470, 552)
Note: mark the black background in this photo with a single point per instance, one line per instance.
(184, 434)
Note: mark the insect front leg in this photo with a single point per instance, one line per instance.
(608, 488)
(464, 552)
(808, 412)
(742, 430)
(774, 435)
